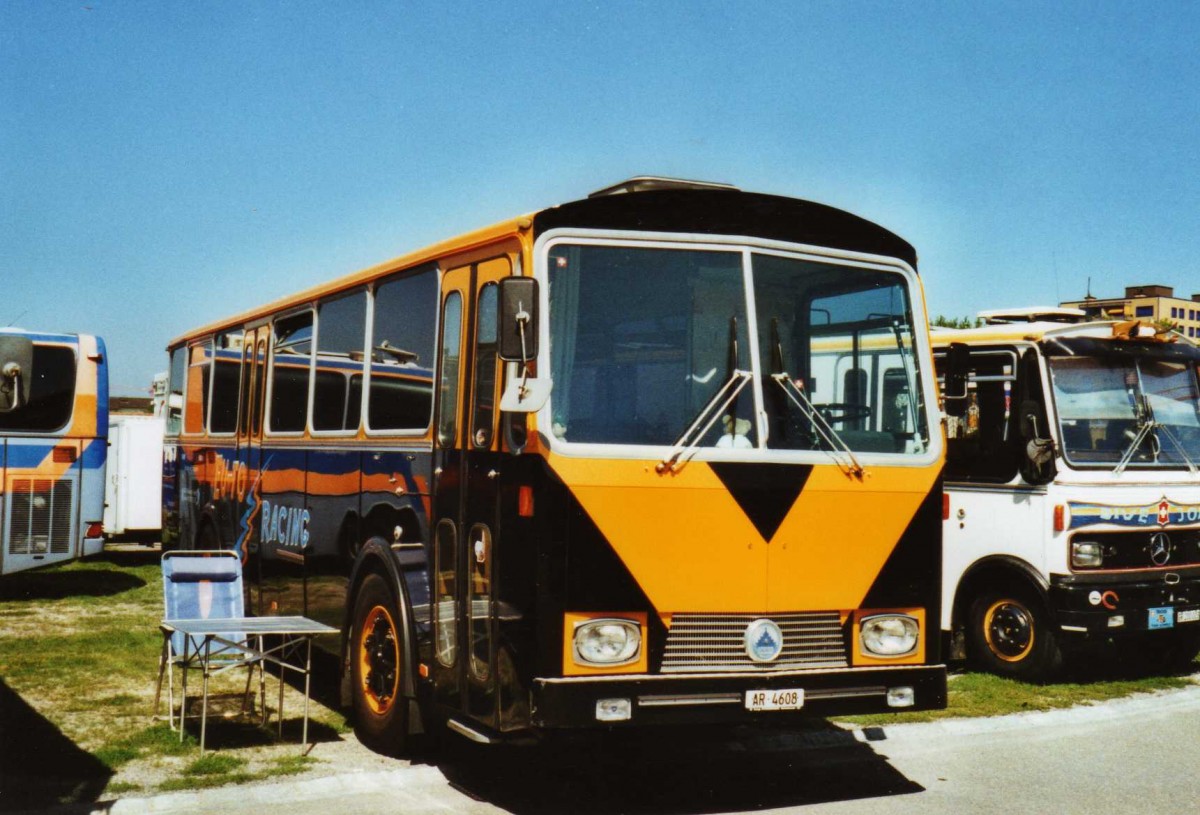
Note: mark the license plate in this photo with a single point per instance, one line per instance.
(1161, 618)
(1192, 616)
(783, 699)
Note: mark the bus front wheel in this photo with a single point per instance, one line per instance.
(1010, 634)
(377, 666)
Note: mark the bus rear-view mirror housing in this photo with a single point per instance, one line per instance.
(519, 345)
(16, 372)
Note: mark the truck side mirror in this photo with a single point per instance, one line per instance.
(954, 389)
(518, 319)
(16, 372)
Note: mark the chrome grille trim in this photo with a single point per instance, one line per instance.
(698, 643)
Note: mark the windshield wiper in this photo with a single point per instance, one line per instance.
(911, 381)
(713, 408)
(724, 401)
(1148, 425)
(837, 445)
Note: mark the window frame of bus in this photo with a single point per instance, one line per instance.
(288, 314)
(205, 344)
(434, 272)
(748, 246)
(212, 385)
(170, 428)
(73, 401)
(368, 311)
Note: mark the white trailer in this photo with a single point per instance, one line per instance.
(133, 492)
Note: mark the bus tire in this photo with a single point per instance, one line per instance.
(377, 666)
(1010, 633)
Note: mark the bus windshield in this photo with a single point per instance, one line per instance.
(1144, 412)
(645, 342)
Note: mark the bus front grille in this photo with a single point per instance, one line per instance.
(40, 518)
(697, 643)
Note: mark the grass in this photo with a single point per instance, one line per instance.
(79, 650)
(979, 694)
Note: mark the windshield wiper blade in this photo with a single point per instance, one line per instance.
(837, 445)
(1166, 431)
(714, 407)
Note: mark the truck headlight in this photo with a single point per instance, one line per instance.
(607, 642)
(889, 635)
(1086, 554)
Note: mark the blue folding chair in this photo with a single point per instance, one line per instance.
(203, 585)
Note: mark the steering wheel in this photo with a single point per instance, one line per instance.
(843, 411)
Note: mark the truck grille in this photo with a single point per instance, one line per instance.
(714, 642)
(40, 518)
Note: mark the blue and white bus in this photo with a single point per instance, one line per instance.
(53, 447)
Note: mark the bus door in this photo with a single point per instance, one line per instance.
(249, 450)
(467, 462)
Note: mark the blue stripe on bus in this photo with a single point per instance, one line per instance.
(95, 453)
(27, 456)
(101, 390)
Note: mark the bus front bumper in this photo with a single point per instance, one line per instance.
(712, 698)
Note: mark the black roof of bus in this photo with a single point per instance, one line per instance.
(728, 212)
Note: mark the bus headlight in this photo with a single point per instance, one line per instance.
(607, 642)
(889, 635)
(1086, 554)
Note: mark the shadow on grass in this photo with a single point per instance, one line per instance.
(40, 767)
(231, 728)
(700, 770)
(58, 584)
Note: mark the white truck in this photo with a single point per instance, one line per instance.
(1072, 507)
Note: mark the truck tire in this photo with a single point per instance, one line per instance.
(1010, 633)
(377, 669)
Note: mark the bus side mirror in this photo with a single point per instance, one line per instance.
(518, 319)
(16, 372)
(519, 346)
(958, 366)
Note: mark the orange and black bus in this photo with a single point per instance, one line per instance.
(624, 461)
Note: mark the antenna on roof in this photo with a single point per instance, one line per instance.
(1089, 289)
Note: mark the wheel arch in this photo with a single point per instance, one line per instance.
(376, 557)
(996, 571)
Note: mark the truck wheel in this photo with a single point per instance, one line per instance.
(1010, 634)
(377, 667)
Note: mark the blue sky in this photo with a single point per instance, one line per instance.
(166, 164)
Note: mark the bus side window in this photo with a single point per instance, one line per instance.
(983, 444)
(403, 342)
(197, 387)
(341, 326)
(175, 391)
(485, 367)
(291, 356)
(226, 377)
(450, 356)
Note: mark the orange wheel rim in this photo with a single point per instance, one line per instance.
(379, 660)
(1009, 630)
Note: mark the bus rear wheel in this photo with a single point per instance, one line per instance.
(377, 670)
(1010, 634)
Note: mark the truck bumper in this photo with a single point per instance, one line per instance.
(571, 702)
(1100, 605)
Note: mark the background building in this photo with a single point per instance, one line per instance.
(1149, 302)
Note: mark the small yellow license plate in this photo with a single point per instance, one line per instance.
(781, 699)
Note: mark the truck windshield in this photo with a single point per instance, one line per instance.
(1145, 412)
(644, 340)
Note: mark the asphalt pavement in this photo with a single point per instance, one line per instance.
(1132, 755)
